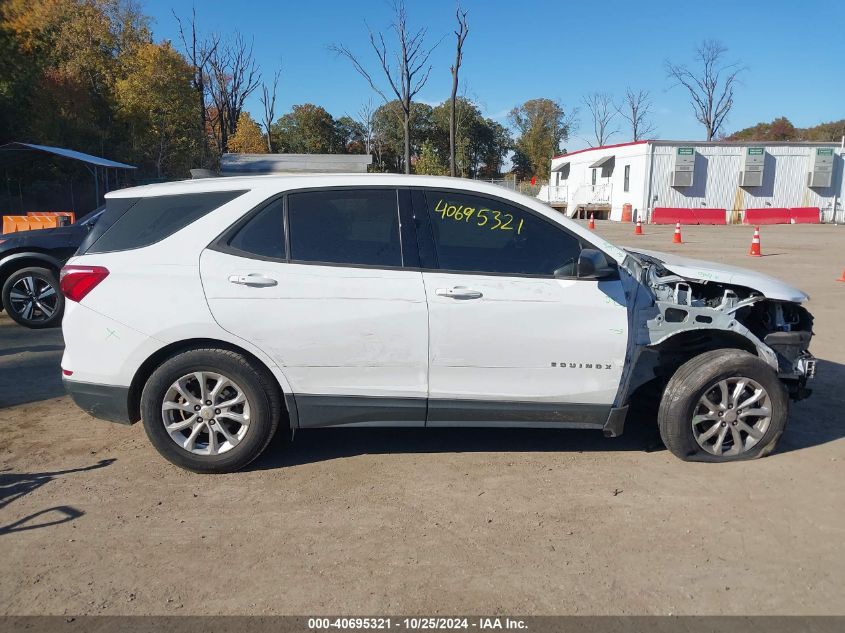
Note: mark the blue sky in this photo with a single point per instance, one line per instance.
(562, 50)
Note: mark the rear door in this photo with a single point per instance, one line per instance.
(321, 280)
(515, 336)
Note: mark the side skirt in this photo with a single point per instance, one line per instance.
(316, 411)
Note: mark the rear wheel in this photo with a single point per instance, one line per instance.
(210, 411)
(32, 297)
(724, 405)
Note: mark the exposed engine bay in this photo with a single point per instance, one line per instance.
(690, 315)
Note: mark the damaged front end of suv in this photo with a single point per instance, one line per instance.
(681, 308)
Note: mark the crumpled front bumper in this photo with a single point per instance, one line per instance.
(796, 365)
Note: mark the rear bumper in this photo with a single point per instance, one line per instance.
(107, 402)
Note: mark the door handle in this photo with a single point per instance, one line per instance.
(458, 292)
(254, 280)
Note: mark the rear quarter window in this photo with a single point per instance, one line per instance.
(130, 223)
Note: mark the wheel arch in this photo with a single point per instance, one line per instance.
(698, 341)
(658, 362)
(170, 350)
(16, 261)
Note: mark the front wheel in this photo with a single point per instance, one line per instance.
(210, 410)
(32, 297)
(724, 405)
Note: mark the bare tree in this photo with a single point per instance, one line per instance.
(635, 110)
(600, 105)
(268, 102)
(233, 76)
(461, 35)
(710, 86)
(198, 52)
(410, 74)
(365, 121)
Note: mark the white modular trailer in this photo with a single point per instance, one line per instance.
(689, 174)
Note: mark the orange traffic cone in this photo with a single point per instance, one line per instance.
(592, 224)
(842, 278)
(755, 244)
(639, 228)
(676, 239)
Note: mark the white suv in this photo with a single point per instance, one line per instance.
(218, 310)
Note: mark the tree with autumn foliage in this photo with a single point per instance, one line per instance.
(307, 129)
(60, 62)
(542, 125)
(248, 138)
(155, 102)
(782, 129)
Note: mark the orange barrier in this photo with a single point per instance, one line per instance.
(15, 223)
(710, 216)
(673, 215)
(768, 215)
(805, 215)
(782, 215)
(36, 223)
(68, 214)
(627, 212)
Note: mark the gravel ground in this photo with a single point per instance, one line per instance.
(438, 521)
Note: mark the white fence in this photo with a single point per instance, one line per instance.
(593, 194)
(554, 194)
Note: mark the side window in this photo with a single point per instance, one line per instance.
(150, 220)
(476, 234)
(350, 226)
(627, 183)
(594, 177)
(264, 233)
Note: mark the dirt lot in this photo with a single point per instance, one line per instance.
(401, 522)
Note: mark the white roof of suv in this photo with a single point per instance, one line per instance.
(283, 182)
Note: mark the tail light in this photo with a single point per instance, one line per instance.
(78, 281)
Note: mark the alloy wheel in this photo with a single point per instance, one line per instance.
(33, 299)
(205, 413)
(732, 416)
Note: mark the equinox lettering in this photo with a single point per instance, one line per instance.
(585, 365)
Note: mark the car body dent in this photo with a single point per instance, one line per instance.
(660, 292)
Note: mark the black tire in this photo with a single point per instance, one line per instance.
(37, 318)
(257, 384)
(696, 378)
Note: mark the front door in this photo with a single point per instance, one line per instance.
(318, 282)
(515, 337)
